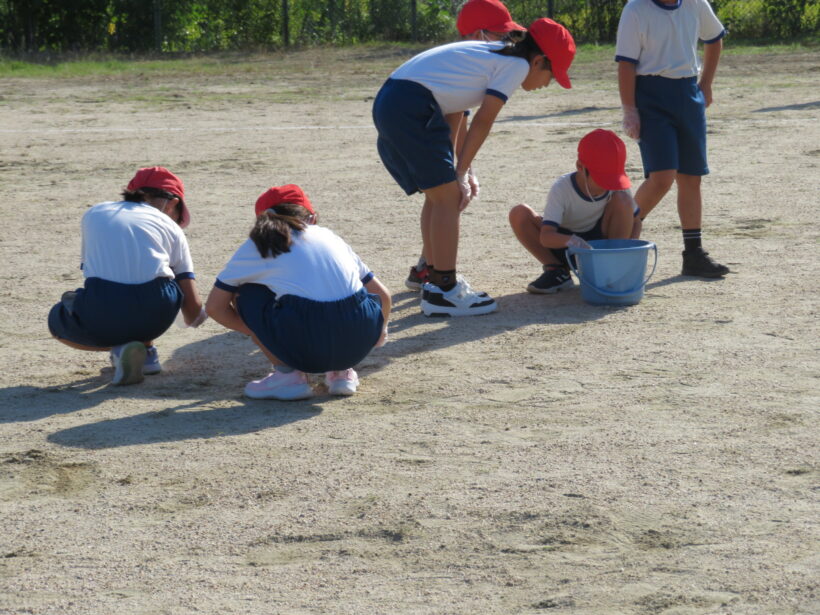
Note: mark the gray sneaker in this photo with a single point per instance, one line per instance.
(554, 278)
(128, 361)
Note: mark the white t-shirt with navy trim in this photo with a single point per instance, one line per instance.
(662, 39)
(460, 74)
(568, 207)
(133, 243)
(320, 266)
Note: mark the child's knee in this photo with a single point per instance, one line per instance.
(663, 180)
(520, 215)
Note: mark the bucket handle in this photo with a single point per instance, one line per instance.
(610, 293)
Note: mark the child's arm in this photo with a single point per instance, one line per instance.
(626, 87)
(711, 57)
(552, 239)
(192, 311)
(220, 306)
(377, 288)
(477, 132)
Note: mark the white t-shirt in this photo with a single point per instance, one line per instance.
(320, 266)
(663, 39)
(460, 74)
(133, 243)
(568, 207)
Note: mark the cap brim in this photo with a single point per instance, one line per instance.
(562, 78)
(611, 182)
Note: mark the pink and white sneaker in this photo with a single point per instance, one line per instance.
(343, 382)
(278, 385)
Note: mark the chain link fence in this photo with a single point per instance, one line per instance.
(28, 26)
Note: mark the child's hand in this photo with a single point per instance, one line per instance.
(475, 188)
(382, 339)
(463, 180)
(578, 242)
(631, 122)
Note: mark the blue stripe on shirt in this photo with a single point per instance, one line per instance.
(497, 94)
(227, 287)
(625, 59)
(716, 39)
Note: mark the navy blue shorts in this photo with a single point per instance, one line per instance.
(673, 125)
(312, 336)
(414, 138)
(104, 314)
(596, 232)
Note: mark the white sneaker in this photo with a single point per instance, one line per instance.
(461, 300)
(343, 382)
(278, 385)
(128, 360)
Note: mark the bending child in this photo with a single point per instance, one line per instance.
(303, 296)
(593, 202)
(417, 113)
(665, 108)
(138, 274)
(478, 20)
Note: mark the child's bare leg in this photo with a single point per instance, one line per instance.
(526, 225)
(653, 189)
(618, 217)
(690, 201)
(443, 227)
(426, 212)
(80, 346)
(274, 360)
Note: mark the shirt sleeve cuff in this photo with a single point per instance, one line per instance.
(185, 275)
(226, 287)
(368, 277)
(497, 94)
(550, 223)
(716, 39)
(625, 59)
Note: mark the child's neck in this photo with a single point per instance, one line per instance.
(587, 187)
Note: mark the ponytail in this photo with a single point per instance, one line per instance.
(525, 48)
(272, 232)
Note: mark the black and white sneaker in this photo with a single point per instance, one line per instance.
(698, 263)
(461, 300)
(554, 278)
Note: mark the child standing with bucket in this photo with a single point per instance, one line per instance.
(417, 113)
(664, 107)
(305, 298)
(593, 202)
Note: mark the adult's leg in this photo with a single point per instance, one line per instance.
(653, 189)
(526, 225)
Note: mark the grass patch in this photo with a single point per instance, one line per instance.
(379, 57)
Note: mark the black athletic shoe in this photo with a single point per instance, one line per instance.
(554, 278)
(416, 278)
(698, 263)
(461, 300)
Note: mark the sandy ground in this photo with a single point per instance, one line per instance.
(554, 457)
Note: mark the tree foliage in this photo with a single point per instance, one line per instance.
(214, 25)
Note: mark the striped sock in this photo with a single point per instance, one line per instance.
(691, 239)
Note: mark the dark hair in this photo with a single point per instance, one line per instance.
(525, 48)
(142, 195)
(272, 231)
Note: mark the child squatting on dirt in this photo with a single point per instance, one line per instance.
(305, 298)
(138, 274)
(593, 202)
(477, 20)
(417, 113)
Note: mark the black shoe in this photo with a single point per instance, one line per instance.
(554, 278)
(698, 263)
(417, 277)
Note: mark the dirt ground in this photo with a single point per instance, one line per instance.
(553, 457)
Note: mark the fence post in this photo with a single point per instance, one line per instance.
(551, 8)
(285, 24)
(413, 21)
(158, 24)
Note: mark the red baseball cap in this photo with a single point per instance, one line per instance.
(604, 155)
(162, 179)
(555, 41)
(489, 15)
(289, 193)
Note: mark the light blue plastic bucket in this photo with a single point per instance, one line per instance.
(614, 271)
